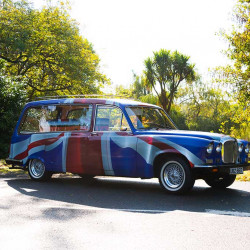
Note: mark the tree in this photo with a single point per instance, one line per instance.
(168, 70)
(12, 99)
(238, 74)
(140, 87)
(44, 49)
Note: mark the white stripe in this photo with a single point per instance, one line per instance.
(64, 150)
(223, 212)
(42, 147)
(54, 145)
(69, 100)
(19, 147)
(147, 151)
(190, 156)
(38, 137)
(124, 141)
(106, 155)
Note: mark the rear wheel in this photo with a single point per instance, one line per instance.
(37, 170)
(220, 182)
(175, 176)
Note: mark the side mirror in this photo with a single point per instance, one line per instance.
(123, 129)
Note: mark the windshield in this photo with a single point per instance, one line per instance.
(144, 118)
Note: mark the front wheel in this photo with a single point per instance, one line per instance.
(175, 176)
(220, 182)
(37, 171)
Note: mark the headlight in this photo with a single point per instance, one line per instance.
(210, 148)
(247, 148)
(240, 148)
(218, 148)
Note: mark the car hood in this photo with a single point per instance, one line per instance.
(186, 133)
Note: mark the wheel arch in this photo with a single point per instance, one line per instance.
(162, 157)
(34, 158)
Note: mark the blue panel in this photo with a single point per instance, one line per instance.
(52, 159)
(123, 160)
(144, 169)
(127, 162)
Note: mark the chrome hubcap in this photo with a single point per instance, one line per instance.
(37, 168)
(174, 175)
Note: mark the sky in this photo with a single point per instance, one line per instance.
(125, 33)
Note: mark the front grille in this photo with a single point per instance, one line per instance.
(229, 151)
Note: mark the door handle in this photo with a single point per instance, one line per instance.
(94, 133)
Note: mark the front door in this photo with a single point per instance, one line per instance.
(112, 146)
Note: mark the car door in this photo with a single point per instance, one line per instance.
(78, 120)
(112, 146)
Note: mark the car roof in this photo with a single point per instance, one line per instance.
(117, 102)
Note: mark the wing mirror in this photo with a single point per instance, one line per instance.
(123, 129)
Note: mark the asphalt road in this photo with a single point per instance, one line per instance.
(121, 213)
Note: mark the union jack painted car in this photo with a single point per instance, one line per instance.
(95, 137)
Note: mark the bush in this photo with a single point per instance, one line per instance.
(12, 99)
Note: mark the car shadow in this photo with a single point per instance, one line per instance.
(132, 195)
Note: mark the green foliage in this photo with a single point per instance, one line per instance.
(165, 71)
(12, 99)
(204, 108)
(237, 75)
(237, 123)
(45, 50)
(178, 117)
(120, 91)
(140, 87)
(149, 98)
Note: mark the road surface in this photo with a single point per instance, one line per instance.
(121, 213)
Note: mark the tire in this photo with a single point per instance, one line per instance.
(175, 176)
(37, 171)
(220, 182)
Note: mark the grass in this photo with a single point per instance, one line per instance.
(4, 170)
(243, 177)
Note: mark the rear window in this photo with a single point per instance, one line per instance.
(53, 118)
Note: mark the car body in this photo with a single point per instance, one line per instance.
(95, 137)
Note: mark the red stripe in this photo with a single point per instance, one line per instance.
(34, 144)
(161, 145)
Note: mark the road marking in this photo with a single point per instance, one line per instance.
(223, 212)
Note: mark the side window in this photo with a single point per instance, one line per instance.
(109, 118)
(80, 116)
(30, 123)
(56, 118)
